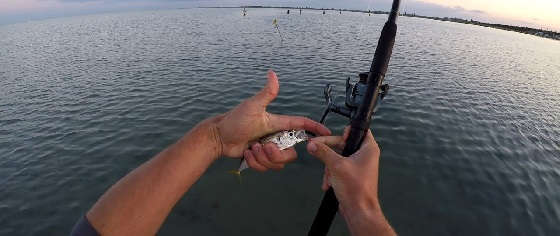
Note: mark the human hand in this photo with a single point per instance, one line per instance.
(250, 121)
(354, 180)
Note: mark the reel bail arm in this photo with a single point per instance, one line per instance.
(354, 97)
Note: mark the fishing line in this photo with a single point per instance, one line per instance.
(275, 24)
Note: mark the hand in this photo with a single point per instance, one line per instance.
(354, 180)
(249, 121)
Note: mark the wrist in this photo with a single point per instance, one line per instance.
(210, 126)
(368, 223)
(205, 138)
(362, 203)
(366, 218)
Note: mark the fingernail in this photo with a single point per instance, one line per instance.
(312, 147)
(257, 147)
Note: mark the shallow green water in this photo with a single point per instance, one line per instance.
(470, 133)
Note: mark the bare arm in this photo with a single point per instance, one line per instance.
(354, 180)
(139, 203)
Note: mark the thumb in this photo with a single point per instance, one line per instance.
(323, 153)
(270, 90)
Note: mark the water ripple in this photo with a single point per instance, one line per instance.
(470, 133)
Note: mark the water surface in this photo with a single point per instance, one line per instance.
(470, 132)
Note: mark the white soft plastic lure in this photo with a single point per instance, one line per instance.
(283, 139)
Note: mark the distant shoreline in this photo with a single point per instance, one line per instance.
(524, 30)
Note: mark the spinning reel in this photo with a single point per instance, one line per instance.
(354, 97)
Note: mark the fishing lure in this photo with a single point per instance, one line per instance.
(283, 139)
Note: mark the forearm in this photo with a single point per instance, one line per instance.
(139, 203)
(366, 219)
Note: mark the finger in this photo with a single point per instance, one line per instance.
(369, 150)
(368, 139)
(325, 185)
(323, 153)
(262, 159)
(331, 141)
(282, 122)
(278, 156)
(252, 162)
(269, 92)
(346, 133)
(369, 135)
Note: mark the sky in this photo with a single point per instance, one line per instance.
(533, 13)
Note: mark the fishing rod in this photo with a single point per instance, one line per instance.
(361, 101)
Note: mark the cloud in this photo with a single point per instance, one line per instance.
(79, 0)
(462, 9)
(20, 10)
(432, 9)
